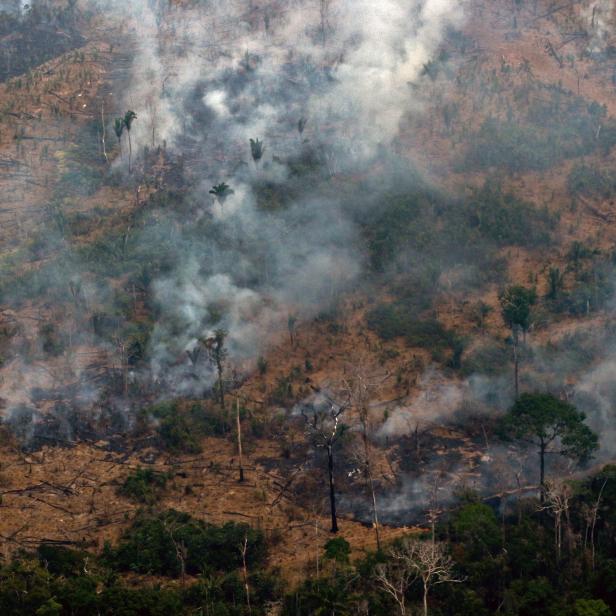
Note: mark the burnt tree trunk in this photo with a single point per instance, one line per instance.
(332, 490)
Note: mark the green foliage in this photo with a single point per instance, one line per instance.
(544, 419)
(591, 607)
(51, 342)
(320, 597)
(221, 191)
(390, 321)
(338, 549)
(516, 303)
(150, 545)
(129, 117)
(592, 181)
(144, 485)
(490, 358)
(555, 283)
(507, 220)
(557, 125)
(181, 428)
(476, 526)
(257, 149)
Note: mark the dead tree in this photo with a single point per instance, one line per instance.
(239, 438)
(426, 561)
(243, 550)
(359, 388)
(557, 501)
(325, 428)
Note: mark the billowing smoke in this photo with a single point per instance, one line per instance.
(330, 80)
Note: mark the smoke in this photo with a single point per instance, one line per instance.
(332, 82)
(599, 18)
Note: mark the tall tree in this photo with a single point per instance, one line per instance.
(359, 388)
(129, 117)
(516, 303)
(215, 346)
(325, 429)
(118, 127)
(553, 426)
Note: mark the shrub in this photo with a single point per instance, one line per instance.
(180, 428)
(149, 545)
(391, 321)
(144, 485)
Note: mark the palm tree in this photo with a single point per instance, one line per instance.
(118, 127)
(129, 116)
(257, 149)
(221, 191)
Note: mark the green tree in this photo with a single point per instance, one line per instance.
(129, 117)
(215, 346)
(555, 282)
(516, 302)
(338, 550)
(221, 191)
(591, 607)
(553, 426)
(257, 149)
(118, 127)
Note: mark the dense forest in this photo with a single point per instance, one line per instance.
(306, 307)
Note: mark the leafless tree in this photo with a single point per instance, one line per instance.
(239, 438)
(413, 560)
(243, 550)
(325, 428)
(557, 501)
(360, 386)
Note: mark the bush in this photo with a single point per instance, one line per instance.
(144, 485)
(490, 358)
(506, 220)
(149, 545)
(592, 182)
(392, 321)
(180, 429)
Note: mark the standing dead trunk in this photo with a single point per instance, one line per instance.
(375, 515)
(244, 549)
(103, 132)
(516, 364)
(542, 448)
(239, 438)
(332, 489)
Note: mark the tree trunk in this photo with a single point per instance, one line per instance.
(130, 152)
(542, 472)
(425, 599)
(516, 365)
(375, 515)
(239, 439)
(332, 490)
(221, 391)
(104, 132)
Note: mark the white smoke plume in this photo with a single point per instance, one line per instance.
(206, 79)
